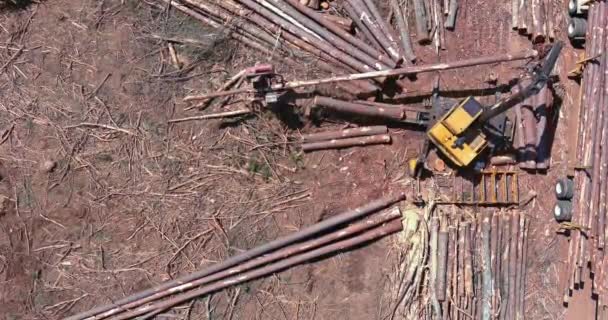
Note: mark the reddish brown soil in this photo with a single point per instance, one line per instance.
(121, 212)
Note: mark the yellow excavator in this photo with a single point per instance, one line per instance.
(465, 130)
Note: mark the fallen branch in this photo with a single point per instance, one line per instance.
(227, 114)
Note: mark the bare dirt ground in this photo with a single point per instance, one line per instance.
(103, 198)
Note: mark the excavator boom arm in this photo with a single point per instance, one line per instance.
(540, 78)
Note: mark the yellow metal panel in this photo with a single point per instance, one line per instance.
(458, 120)
(444, 140)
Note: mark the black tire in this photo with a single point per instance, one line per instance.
(564, 189)
(563, 211)
(577, 28)
(572, 8)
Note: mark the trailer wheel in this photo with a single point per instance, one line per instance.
(577, 28)
(572, 8)
(564, 189)
(563, 211)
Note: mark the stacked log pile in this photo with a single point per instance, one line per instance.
(278, 27)
(345, 231)
(534, 123)
(586, 258)
(477, 268)
(535, 19)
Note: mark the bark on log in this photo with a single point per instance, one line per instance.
(487, 269)
(358, 109)
(442, 265)
(523, 262)
(522, 20)
(286, 252)
(450, 22)
(306, 37)
(422, 32)
(529, 124)
(468, 263)
(311, 22)
(347, 133)
(363, 14)
(346, 24)
(543, 133)
(347, 143)
(538, 33)
(514, 14)
(504, 263)
(362, 27)
(519, 286)
(495, 258)
(264, 24)
(514, 237)
(604, 159)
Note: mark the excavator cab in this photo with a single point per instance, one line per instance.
(451, 136)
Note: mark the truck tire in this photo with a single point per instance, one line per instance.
(563, 211)
(577, 28)
(564, 189)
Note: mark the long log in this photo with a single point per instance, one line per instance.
(366, 17)
(442, 265)
(514, 14)
(282, 242)
(522, 20)
(504, 263)
(321, 20)
(451, 275)
(495, 258)
(343, 22)
(362, 28)
(371, 235)
(604, 161)
(468, 263)
(286, 252)
(450, 22)
(347, 133)
(422, 32)
(358, 109)
(434, 229)
(320, 44)
(346, 143)
(597, 97)
(543, 142)
(381, 22)
(519, 315)
(404, 33)
(549, 19)
(263, 24)
(524, 266)
(584, 253)
(406, 71)
(514, 237)
(538, 34)
(335, 36)
(529, 126)
(486, 313)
